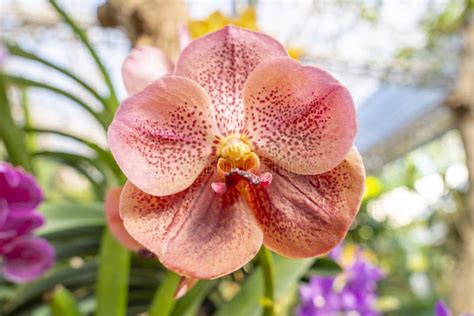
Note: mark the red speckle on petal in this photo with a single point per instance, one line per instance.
(163, 137)
(299, 117)
(221, 62)
(305, 215)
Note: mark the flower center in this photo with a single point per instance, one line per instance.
(236, 152)
(238, 165)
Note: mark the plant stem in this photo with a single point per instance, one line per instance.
(266, 262)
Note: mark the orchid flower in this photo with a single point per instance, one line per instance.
(143, 65)
(23, 257)
(240, 146)
(351, 292)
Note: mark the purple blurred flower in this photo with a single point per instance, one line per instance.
(23, 256)
(352, 291)
(442, 309)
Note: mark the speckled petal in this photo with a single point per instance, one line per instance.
(196, 233)
(162, 138)
(143, 65)
(299, 116)
(115, 222)
(220, 62)
(304, 215)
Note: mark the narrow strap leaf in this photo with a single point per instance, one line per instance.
(163, 301)
(17, 51)
(12, 136)
(63, 303)
(36, 84)
(112, 283)
(247, 302)
(81, 164)
(190, 303)
(83, 38)
(102, 154)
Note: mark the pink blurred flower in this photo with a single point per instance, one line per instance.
(115, 223)
(24, 257)
(241, 146)
(143, 65)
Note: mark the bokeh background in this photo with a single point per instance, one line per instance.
(408, 65)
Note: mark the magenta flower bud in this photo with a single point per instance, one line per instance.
(24, 257)
(19, 192)
(27, 258)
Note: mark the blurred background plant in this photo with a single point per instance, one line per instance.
(406, 64)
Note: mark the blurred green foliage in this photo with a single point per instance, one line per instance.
(418, 256)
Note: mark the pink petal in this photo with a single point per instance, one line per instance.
(28, 259)
(184, 37)
(162, 138)
(299, 116)
(195, 233)
(184, 286)
(143, 65)
(305, 216)
(20, 194)
(220, 62)
(115, 223)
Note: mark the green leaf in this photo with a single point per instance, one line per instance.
(59, 275)
(112, 283)
(63, 303)
(23, 82)
(85, 245)
(163, 302)
(102, 154)
(83, 38)
(12, 137)
(190, 303)
(324, 266)
(247, 301)
(66, 216)
(17, 51)
(82, 165)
